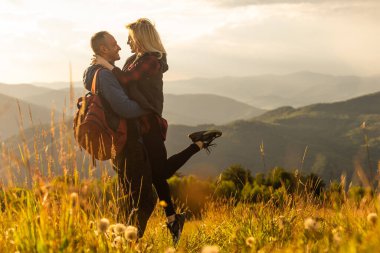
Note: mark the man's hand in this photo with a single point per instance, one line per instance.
(98, 60)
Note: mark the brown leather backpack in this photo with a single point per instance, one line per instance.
(92, 128)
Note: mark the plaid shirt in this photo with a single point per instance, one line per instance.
(147, 65)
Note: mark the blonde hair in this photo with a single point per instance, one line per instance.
(145, 37)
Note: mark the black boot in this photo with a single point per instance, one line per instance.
(176, 227)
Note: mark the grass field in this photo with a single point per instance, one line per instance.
(60, 217)
(70, 213)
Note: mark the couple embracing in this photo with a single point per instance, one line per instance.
(135, 94)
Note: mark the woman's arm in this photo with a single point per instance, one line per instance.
(145, 66)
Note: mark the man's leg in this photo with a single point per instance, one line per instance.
(135, 184)
(139, 173)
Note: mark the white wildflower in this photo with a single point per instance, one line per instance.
(210, 249)
(119, 228)
(372, 218)
(250, 241)
(311, 224)
(130, 233)
(111, 229)
(103, 225)
(9, 233)
(336, 232)
(117, 242)
(170, 250)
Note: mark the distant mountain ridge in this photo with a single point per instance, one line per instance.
(269, 91)
(325, 139)
(10, 117)
(327, 133)
(330, 134)
(178, 109)
(21, 90)
(273, 91)
(195, 109)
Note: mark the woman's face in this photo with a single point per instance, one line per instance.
(131, 44)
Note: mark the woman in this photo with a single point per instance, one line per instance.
(142, 77)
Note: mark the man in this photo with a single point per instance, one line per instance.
(135, 198)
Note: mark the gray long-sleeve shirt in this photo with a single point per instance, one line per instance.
(110, 89)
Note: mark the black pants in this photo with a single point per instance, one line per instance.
(135, 193)
(163, 167)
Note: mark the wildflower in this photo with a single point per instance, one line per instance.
(250, 241)
(170, 250)
(117, 242)
(130, 233)
(111, 229)
(210, 249)
(372, 218)
(336, 235)
(119, 228)
(9, 233)
(311, 224)
(103, 225)
(74, 199)
(163, 203)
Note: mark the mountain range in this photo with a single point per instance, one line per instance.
(328, 139)
(187, 109)
(272, 91)
(266, 91)
(15, 114)
(324, 137)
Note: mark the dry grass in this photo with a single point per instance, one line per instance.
(61, 217)
(63, 214)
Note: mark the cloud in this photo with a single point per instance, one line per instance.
(260, 38)
(238, 3)
(283, 40)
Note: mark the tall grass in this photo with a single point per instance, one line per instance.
(53, 200)
(65, 217)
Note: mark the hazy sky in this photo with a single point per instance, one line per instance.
(209, 38)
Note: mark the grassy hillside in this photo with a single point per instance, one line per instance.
(60, 99)
(179, 109)
(21, 90)
(330, 133)
(10, 117)
(195, 109)
(323, 138)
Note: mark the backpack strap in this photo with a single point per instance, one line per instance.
(93, 86)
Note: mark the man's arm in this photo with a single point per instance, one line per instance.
(120, 103)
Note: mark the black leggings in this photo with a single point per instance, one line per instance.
(163, 167)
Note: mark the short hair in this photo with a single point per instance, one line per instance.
(145, 36)
(97, 40)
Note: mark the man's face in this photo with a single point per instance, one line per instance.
(111, 49)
